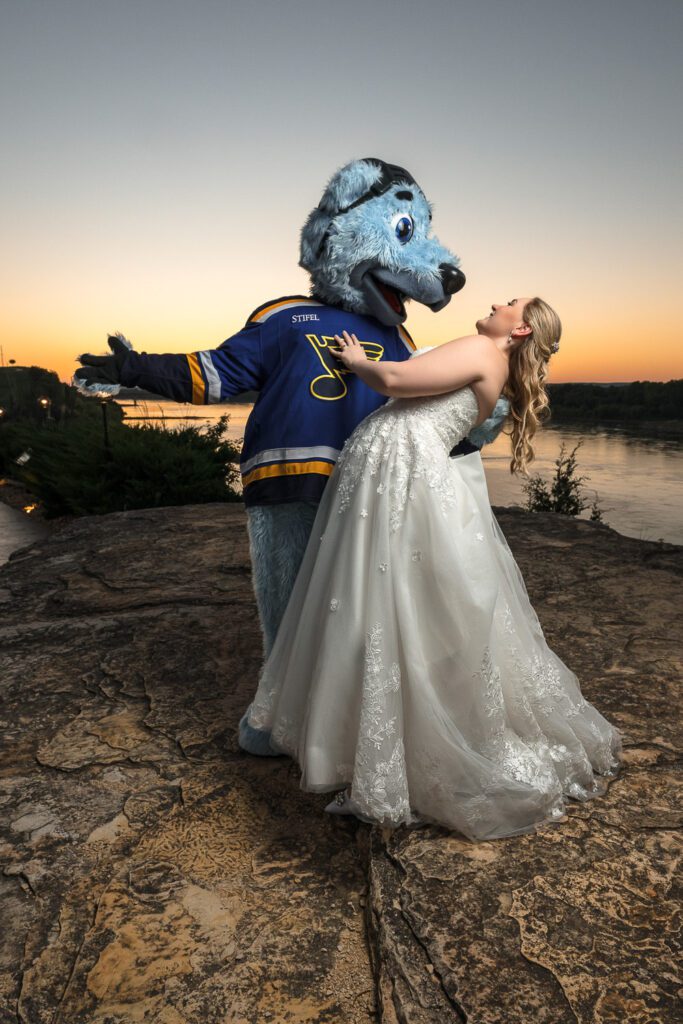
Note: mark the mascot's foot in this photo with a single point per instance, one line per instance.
(255, 741)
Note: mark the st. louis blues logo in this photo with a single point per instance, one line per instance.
(330, 385)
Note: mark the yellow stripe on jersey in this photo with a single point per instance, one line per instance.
(287, 469)
(406, 337)
(198, 386)
(263, 314)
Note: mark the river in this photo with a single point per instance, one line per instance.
(638, 479)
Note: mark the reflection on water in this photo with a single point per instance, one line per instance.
(638, 479)
(178, 414)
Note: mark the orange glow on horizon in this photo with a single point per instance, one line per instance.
(585, 355)
(585, 364)
(185, 312)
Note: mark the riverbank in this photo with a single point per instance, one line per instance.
(16, 496)
(152, 870)
(21, 519)
(17, 531)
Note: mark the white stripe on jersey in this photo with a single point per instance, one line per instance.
(212, 377)
(287, 454)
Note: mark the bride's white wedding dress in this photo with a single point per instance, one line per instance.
(409, 665)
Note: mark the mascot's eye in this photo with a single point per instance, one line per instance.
(403, 225)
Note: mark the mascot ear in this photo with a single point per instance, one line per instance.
(346, 185)
(349, 183)
(312, 235)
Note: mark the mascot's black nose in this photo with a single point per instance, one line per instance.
(452, 279)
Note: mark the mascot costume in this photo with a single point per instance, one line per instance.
(367, 247)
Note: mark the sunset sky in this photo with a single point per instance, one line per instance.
(159, 158)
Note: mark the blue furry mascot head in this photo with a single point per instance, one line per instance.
(368, 244)
(368, 247)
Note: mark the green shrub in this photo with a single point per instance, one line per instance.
(565, 493)
(71, 472)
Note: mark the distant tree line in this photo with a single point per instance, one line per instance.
(636, 402)
(639, 401)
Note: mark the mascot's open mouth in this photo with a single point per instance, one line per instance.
(386, 292)
(392, 296)
(385, 296)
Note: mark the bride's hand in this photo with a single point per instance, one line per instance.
(349, 350)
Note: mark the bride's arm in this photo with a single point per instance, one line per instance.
(446, 368)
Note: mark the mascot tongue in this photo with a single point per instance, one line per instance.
(391, 297)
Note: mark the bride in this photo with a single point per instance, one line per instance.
(410, 674)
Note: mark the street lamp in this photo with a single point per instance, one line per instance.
(104, 402)
(2, 414)
(44, 402)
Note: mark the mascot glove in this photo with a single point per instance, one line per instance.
(102, 374)
(488, 431)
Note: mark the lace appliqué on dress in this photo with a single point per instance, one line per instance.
(380, 785)
(540, 692)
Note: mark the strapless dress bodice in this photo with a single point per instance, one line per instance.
(449, 416)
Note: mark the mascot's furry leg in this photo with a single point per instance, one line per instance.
(278, 535)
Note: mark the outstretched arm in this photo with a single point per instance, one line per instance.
(205, 377)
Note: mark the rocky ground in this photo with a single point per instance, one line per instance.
(154, 872)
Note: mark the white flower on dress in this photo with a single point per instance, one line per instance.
(416, 556)
(382, 567)
(334, 604)
(363, 513)
(480, 536)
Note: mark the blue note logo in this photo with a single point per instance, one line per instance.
(330, 385)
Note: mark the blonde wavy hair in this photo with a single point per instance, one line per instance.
(525, 387)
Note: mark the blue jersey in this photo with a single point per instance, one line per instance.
(308, 402)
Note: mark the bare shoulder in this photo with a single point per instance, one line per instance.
(493, 367)
(473, 343)
(478, 347)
